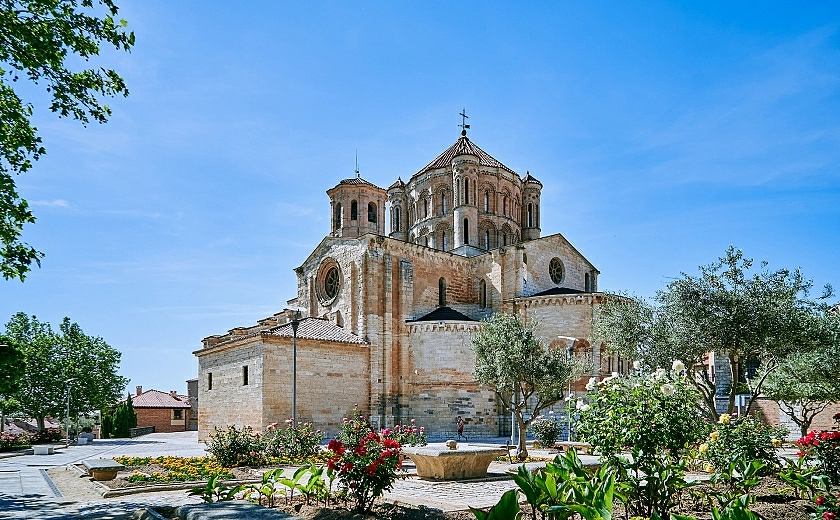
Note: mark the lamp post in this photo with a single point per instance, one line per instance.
(67, 418)
(295, 323)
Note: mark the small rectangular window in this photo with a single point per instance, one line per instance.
(177, 414)
(245, 375)
(209, 380)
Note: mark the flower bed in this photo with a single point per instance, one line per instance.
(172, 469)
(12, 442)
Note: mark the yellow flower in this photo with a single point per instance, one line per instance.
(704, 448)
(708, 468)
(776, 443)
(714, 436)
(724, 418)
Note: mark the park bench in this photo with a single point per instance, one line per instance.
(44, 450)
(102, 469)
(581, 447)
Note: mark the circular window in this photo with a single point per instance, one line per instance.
(329, 282)
(556, 270)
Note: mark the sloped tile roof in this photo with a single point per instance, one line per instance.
(463, 146)
(530, 178)
(358, 181)
(444, 314)
(316, 328)
(397, 184)
(558, 290)
(158, 399)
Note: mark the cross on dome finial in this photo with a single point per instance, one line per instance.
(464, 124)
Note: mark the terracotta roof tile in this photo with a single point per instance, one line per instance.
(358, 181)
(463, 146)
(530, 178)
(316, 328)
(158, 399)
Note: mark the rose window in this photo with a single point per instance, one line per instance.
(556, 270)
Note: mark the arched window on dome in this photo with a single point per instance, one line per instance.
(443, 240)
(443, 202)
(504, 206)
(372, 212)
(354, 210)
(487, 239)
(466, 191)
(442, 292)
(396, 224)
(530, 215)
(486, 201)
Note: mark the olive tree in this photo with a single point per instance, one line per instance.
(729, 308)
(523, 371)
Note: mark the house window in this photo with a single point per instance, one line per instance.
(442, 292)
(372, 212)
(209, 380)
(466, 231)
(245, 375)
(177, 414)
(354, 210)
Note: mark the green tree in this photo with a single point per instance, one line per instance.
(124, 418)
(53, 358)
(805, 383)
(730, 309)
(12, 366)
(523, 372)
(39, 41)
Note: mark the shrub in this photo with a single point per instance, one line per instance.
(14, 441)
(823, 448)
(107, 425)
(407, 434)
(292, 442)
(655, 414)
(234, 447)
(366, 468)
(46, 435)
(547, 430)
(744, 439)
(354, 429)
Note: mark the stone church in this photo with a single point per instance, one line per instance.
(388, 311)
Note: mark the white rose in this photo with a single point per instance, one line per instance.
(678, 366)
(584, 408)
(667, 389)
(593, 381)
(637, 365)
(660, 373)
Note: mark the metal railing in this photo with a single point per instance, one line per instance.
(137, 432)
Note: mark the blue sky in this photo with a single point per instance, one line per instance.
(662, 132)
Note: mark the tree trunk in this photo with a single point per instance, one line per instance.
(734, 369)
(2, 420)
(40, 419)
(521, 449)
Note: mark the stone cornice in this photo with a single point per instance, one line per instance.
(558, 299)
(442, 326)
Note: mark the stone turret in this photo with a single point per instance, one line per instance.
(465, 214)
(357, 207)
(531, 190)
(399, 211)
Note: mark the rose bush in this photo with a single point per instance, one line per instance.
(366, 468)
(743, 439)
(11, 441)
(547, 429)
(823, 449)
(294, 442)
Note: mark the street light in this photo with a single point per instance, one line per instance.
(67, 418)
(295, 323)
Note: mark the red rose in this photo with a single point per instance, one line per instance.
(819, 500)
(828, 515)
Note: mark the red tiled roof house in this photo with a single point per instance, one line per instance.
(167, 412)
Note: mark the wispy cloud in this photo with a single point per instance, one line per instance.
(57, 203)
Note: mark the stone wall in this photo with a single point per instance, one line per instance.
(229, 402)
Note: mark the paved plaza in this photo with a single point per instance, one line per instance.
(26, 491)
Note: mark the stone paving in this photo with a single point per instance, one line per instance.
(26, 490)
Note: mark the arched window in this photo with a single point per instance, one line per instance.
(443, 202)
(504, 239)
(442, 292)
(537, 211)
(525, 258)
(466, 231)
(396, 218)
(486, 201)
(372, 212)
(426, 241)
(466, 191)
(487, 239)
(504, 206)
(482, 294)
(354, 210)
(425, 208)
(443, 240)
(337, 217)
(530, 215)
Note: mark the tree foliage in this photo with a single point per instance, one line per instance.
(523, 372)
(124, 418)
(52, 358)
(729, 308)
(39, 41)
(12, 366)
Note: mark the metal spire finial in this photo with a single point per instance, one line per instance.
(464, 126)
(358, 176)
